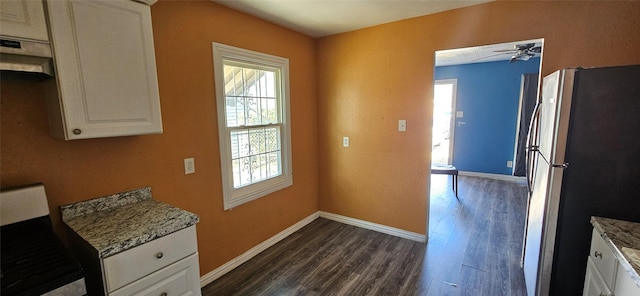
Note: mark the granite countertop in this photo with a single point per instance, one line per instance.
(118, 222)
(621, 235)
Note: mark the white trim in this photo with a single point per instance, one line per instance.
(246, 256)
(374, 226)
(233, 197)
(493, 176)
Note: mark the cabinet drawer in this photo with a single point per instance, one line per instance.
(594, 284)
(133, 264)
(181, 278)
(603, 258)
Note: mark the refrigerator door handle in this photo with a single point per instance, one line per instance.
(530, 156)
(532, 148)
(560, 165)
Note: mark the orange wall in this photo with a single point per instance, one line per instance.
(79, 170)
(369, 79)
(365, 81)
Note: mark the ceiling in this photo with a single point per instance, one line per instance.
(319, 18)
(481, 54)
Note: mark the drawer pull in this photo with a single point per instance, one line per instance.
(597, 254)
(165, 294)
(159, 255)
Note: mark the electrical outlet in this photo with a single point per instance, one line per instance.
(509, 164)
(345, 141)
(189, 166)
(402, 125)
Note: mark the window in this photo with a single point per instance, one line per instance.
(252, 100)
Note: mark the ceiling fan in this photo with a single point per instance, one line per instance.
(522, 52)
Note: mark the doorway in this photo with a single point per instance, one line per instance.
(444, 101)
(485, 93)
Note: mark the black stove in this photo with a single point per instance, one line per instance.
(34, 261)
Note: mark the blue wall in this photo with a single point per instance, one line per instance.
(488, 94)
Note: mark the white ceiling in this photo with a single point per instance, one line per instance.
(319, 18)
(481, 54)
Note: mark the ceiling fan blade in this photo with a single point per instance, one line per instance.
(489, 56)
(526, 46)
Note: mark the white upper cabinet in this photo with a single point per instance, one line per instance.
(23, 19)
(106, 81)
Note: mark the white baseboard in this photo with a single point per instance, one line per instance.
(374, 226)
(235, 262)
(246, 256)
(493, 176)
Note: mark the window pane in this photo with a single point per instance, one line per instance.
(256, 155)
(232, 80)
(250, 96)
(253, 111)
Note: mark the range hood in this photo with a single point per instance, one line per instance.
(25, 56)
(24, 39)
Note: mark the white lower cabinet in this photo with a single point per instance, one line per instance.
(166, 266)
(605, 276)
(594, 284)
(180, 278)
(625, 285)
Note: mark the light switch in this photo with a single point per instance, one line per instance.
(402, 125)
(189, 166)
(459, 114)
(345, 141)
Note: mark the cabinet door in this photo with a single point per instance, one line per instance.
(594, 284)
(181, 278)
(105, 66)
(23, 19)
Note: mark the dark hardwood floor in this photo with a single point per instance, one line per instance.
(473, 249)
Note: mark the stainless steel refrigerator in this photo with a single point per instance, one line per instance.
(583, 160)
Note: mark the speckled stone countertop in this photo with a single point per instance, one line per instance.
(621, 234)
(118, 222)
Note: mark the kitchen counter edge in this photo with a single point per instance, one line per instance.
(618, 234)
(116, 223)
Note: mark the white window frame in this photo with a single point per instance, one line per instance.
(234, 197)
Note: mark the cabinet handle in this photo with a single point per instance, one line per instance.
(77, 131)
(597, 254)
(159, 255)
